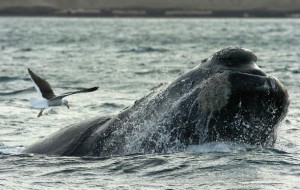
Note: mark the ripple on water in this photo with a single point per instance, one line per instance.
(145, 49)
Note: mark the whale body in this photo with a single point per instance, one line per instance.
(225, 98)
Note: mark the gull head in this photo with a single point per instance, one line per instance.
(65, 102)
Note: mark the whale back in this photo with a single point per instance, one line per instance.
(66, 140)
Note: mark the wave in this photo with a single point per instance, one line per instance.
(218, 147)
(7, 79)
(145, 49)
(16, 92)
(147, 72)
(25, 49)
(111, 105)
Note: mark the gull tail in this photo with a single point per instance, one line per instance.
(38, 103)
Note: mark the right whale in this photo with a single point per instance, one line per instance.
(226, 98)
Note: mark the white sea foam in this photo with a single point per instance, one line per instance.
(218, 147)
(10, 149)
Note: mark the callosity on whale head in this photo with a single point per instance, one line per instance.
(226, 98)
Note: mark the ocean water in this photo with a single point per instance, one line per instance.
(126, 58)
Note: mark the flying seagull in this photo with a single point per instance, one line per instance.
(48, 98)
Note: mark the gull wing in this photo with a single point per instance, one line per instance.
(41, 86)
(76, 92)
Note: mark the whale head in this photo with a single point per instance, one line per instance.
(237, 101)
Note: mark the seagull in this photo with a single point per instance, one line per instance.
(47, 97)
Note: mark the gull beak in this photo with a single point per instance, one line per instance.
(67, 106)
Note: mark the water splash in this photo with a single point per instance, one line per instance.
(218, 147)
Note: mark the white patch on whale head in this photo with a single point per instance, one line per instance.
(215, 93)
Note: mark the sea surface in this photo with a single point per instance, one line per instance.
(126, 58)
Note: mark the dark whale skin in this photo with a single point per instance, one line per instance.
(226, 98)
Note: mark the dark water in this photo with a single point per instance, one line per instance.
(126, 58)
